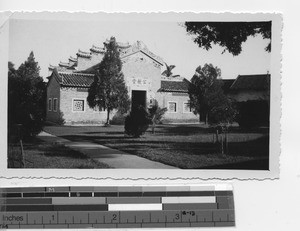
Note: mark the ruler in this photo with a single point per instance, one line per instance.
(116, 207)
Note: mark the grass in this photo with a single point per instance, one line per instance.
(39, 154)
(183, 146)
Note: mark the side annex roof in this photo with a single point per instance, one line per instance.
(69, 79)
(174, 86)
(251, 82)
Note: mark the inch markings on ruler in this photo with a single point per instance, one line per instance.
(116, 207)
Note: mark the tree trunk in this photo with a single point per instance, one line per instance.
(222, 143)
(107, 120)
(226, 142)
(153, 128)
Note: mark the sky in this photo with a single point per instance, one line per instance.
(53, 41)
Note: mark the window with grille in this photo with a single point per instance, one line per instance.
(78, 105)
(55, 104)
(187, 107)
(172, 107)
(49, 104)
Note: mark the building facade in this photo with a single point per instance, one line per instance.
(68, 85)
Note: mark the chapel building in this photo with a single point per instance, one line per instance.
(68, 85)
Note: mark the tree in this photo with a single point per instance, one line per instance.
(207, 98)
(156, 114)
(26, 97)
(108, 91)
(168, 72)
(229, 35)
(203, 87)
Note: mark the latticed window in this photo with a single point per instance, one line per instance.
(172, 107)
(78, 105)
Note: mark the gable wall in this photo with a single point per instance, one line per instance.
(83, 63)
(141, 73)
(53, 91)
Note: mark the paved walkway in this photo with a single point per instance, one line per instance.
(114, 158)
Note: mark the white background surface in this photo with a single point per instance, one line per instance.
(260, 205)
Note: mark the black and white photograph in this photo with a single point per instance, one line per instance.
(172, 93)
(157, 113)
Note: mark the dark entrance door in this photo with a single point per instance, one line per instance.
(138, 98)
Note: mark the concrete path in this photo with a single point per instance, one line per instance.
(114, 158)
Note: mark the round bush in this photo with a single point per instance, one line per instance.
(137, 122)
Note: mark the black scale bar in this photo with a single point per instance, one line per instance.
(47, 208)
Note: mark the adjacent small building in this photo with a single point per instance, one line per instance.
(251, 88)
(251, 95)
(68, 85)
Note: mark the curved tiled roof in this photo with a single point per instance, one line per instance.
(227, 83)
(76, 79)
(251, 82)
(71, 79)
(174, 86)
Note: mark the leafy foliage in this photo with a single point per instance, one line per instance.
(168, 72)
(156, 114)
(229, 35)
(26, 97)
(137, 122)
(207, 97)
(108, 91)
(118, 118)
(60, 120)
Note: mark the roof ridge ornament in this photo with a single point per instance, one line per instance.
(64, 64)
(71, 58)
(84, 54)
(97, 49)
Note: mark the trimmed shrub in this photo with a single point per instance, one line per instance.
(137, 122)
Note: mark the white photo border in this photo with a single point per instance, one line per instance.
(149, 174)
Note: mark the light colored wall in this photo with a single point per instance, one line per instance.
(83, 63)
(89, 115)
(96, 58)
(179, 116)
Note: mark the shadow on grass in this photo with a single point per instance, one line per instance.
(257, 147)
(78, 138)
(105, 132)
(204, 129)
(260, 164)
(61, 151)
(162, 129)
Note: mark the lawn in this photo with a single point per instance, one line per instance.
(39, 154)
(183, 146)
